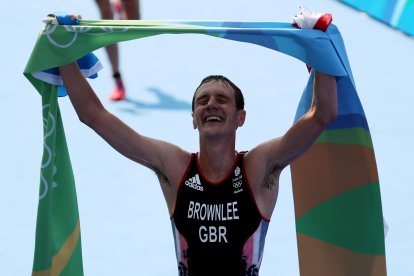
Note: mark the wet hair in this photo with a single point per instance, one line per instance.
(213, 78)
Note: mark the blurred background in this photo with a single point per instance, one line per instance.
(124, 221)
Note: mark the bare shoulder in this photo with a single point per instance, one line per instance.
(264, 157)
(262, 172)
(174, 162)
(262, 162)
(173, 165)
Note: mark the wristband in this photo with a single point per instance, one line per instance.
(61, 18)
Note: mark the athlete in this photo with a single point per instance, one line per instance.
(121, 9)
(220, 200)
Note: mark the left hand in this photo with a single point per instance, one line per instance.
(62, 19)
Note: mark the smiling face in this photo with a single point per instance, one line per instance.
(215, 110)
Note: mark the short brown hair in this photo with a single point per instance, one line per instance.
(213, 78)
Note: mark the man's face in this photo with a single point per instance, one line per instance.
(215, 109)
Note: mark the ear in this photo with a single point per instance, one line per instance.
(194, 121)
(242, 117)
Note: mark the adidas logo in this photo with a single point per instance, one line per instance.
(195, 183)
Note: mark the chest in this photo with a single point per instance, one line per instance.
(215, 212)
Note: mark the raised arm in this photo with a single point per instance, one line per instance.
(161, 157)
(266, 161)
(301, 136)
(280, 152)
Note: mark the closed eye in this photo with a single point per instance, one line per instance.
(222, 99)
(203, 100)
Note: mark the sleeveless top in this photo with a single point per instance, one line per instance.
(217, 227)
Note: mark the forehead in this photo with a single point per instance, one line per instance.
(214, 88)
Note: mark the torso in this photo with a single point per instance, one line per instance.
(218, 228)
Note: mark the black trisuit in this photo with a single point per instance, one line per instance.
(218, 229)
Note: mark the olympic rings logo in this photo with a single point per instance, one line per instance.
(76, 30)
(237, 184)
(47, 153)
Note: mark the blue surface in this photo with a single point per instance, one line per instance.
(124, 220)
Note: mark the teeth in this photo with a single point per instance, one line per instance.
(214, 118)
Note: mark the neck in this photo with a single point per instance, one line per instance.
(216, 159)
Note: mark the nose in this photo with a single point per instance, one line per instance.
(212, 103)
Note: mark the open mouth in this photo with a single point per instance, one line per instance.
(213, 118)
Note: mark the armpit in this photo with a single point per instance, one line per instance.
(162, 178)
(272, 180)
